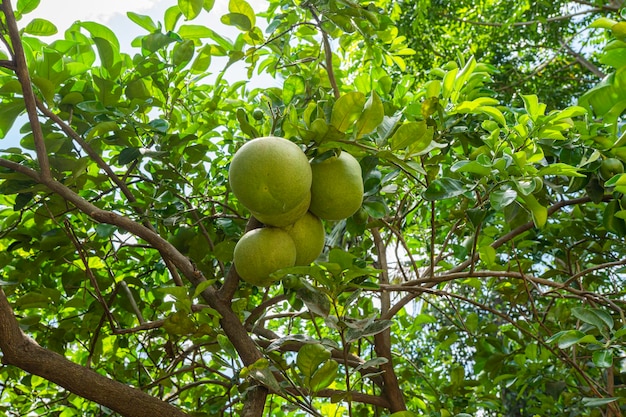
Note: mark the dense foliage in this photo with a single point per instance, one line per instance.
(483, 274)
(537, 47)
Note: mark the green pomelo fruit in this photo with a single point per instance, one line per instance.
(270, 175)
(260, 252)
(337, 188)
(610, 167)
(308, 235)
(285, 219)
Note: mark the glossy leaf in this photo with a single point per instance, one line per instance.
(190, 8)
(346, 110)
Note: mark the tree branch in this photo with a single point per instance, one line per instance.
(526, 23)
(21, 70)
(584, 62)
(21, 351)
(328, 54)
(382, 340)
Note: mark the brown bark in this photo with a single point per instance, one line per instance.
(21, 351)
(382, 340)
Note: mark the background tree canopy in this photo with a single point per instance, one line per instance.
(483, 274)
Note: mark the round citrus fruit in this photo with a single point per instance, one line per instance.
(287, 218)
(610, 167)
(337, 188)
(270, 175)
(260, 252)
(308, 235)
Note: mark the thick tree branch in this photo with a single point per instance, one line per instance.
(21, 351)
(382, 340)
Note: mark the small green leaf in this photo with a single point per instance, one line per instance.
(128, 155)
(353, 334)
(293, 86)
(242, 7)
(143, 21)
(448, 82)
(533, 107)
(26, 6)
(190, 8)
(238, 20)
(443, 188)
(310, 357)
(499, 199)
(416, 136)
(574, 337)
(594, 316)
(40, 27)
(372, 115)
(346, 110)
(603, 358)
(538, 212)
(603, 22)
(324, 376)
(597, 402)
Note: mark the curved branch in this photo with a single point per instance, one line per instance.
(21, 351)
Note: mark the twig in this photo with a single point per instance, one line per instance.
(328, 53)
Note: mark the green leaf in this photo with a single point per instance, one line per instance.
(502, 198)
(324, 376)
(242, 8)
(9, 110)
(533, 107)
(596, 317)
(346, 110)
(574, 337)
(494, 113)
(603, 358)
(190, 8)
(488, 255)
(310, 357)
(293, 86)
(603, 22)
(372, 115)
(416, 136)
(143, 21)
(473, 167)
(560, 168)
(238, 20)
(538, 211)
(448, 82)
(316, 301)
(376, 207)
(128, 155)
(171, 17)
(100, 31)
(443, 188)
(40, 27)
(597, 402)
(26, 6)
(183, 52)
(354, 334)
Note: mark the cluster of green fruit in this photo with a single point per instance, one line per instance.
(273, 178)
